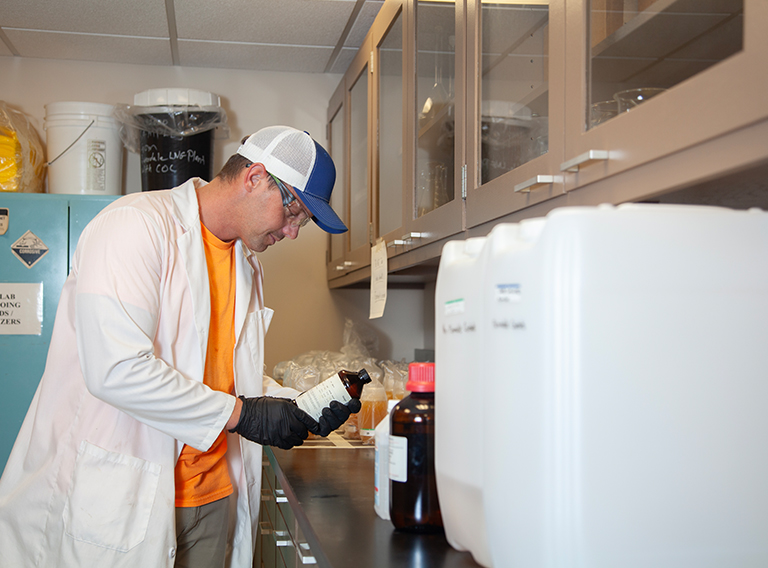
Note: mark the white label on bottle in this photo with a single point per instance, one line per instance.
(318, 397)
(398, 458)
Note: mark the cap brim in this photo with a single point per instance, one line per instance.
(322, 214)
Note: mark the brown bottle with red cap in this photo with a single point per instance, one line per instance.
(413, 504)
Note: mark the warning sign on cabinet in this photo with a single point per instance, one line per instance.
(29, 249)
(21, 308)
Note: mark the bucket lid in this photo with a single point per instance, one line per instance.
(71, 107)
(189, 97)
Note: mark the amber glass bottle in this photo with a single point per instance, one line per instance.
(413, 504)
(343, 387)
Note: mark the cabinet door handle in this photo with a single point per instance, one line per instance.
(346, 264)
(265, 528)
(280, 496)
(282, 538)
(590, 156)
(526, 186)
(305, 554)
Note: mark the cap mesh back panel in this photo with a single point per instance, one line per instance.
(296, 152)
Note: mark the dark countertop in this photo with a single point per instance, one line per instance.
(334, 490)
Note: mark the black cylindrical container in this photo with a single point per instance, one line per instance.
(176, 132)
(413, 504)
(168, 161)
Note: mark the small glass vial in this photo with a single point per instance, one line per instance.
(342, 387)
(413, 504)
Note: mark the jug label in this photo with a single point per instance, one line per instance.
(507, 293)
(398, 458)
(454, 307)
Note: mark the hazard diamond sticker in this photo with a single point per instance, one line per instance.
(29, 249)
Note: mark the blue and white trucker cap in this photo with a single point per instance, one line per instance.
(296, 159)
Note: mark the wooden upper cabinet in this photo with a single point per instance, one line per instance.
(649, 78)
(458, 114)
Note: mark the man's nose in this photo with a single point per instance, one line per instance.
(291, 231)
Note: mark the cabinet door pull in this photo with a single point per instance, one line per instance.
(590, 156)
(346, 264)
(526, 186)
(282, 538)
(305, 554)
(265, 528)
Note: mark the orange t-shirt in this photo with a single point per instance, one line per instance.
(203, 477)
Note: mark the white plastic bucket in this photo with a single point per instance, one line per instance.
(85, 152)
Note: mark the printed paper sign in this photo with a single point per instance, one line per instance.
(378, 279)
(21, 308)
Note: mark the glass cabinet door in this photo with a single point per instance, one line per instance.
(358, 161)
(648, 78)
(339, 198)
(514, 85)
(515, 105)
(435, 104)
(640, 49)
(390, 129)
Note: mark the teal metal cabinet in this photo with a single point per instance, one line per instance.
(35, 257)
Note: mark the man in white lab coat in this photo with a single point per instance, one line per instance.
(156, 366)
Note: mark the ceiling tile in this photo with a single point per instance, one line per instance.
(344, 60)
(254, 56)
(363, 23)
(138, 18)
(91, 47)
(4, 49)
(293, 22)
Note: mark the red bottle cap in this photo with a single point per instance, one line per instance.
(421, 377)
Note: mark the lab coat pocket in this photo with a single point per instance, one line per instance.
(110, 499)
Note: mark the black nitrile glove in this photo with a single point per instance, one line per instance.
(272, 421)
(336, 414)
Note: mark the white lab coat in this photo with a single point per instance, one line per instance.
(90, 480)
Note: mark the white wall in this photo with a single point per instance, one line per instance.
(308, 315)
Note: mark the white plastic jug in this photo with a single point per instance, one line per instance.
(629, 389)
(459, 389)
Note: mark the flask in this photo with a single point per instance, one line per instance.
(373, 408)
(413, 504)
(343, 387)
(381, 465)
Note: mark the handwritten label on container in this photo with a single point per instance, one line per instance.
(154, 161)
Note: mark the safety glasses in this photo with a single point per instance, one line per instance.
(297, 215)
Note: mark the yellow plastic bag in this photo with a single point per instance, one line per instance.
(22, 161)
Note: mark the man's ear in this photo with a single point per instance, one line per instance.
(253, 175)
